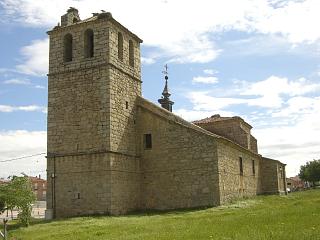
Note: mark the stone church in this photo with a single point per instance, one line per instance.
(110, 151)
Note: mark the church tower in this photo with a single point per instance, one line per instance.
(93, 82)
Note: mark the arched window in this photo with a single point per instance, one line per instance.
(120, 47)
(88, 43)
(131, 53)
(67, 43)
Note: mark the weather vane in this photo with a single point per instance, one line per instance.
(165, 71)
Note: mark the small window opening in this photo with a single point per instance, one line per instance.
(88, 43)
(120, 46)
(147, 141)
(241, 165)
(67, 42)
(78, 195)
(127, 105)
(253, 168)
(131, 53)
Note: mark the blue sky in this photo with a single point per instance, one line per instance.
(258, 59)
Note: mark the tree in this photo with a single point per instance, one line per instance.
(2, 205)
(2, 198)
(310, 172)
(18, 194)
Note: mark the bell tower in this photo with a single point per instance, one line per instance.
(93, 82)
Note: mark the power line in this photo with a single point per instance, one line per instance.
(15, 159)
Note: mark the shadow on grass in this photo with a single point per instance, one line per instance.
(238, 203)
(14, 225)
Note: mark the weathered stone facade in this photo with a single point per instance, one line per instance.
(110, 151)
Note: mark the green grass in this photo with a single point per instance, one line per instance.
(296, 216)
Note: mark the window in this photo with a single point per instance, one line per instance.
(131, 53)
(253, 168)
(78, 195)
(88, 43)
(241, 166)
(127, 105)
(147, 141)
(67, 43)
(120, 47)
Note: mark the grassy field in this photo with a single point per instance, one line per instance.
(296, 216)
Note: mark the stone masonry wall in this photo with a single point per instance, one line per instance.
(232, 184)
(282, 178)
(125, 184)
(78, 114)
(229, 129)
(124, 91)
(97, 161)
(101, 47)
(123, 65)
(274, 176)
(125, 86)
(91, 110)
(253, 144)
(270, 176)
(180, 169)
(82, 185)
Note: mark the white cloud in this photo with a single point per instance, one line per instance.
(17, 81)
(39, 87)
(297, 143)
(278, 85)
(193, 114)
(297, 20)
(204, 102)
(210, 71)
(20, 143)
(35, 58)
(182, 37)
(192, 49)
(289, 131)
(210, 80)
(147, 61)
(266, 45)
(269, 93)
(30, 108)
(297, 106)
(274, 88)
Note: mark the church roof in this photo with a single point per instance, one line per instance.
(218, 118)
(213, 118)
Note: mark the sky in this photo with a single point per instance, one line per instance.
(257, 59)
